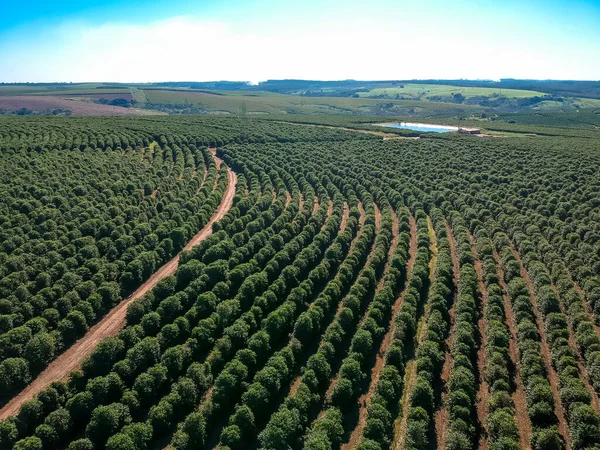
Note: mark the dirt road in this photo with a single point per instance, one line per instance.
(114, 321)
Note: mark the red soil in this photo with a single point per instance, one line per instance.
(114, 321)
(345, 216)
(315, 205)
(295, 385)
(519, 399)
(77, 108)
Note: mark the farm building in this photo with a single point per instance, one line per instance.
(469, 130)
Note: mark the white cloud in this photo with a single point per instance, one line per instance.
(185, 48)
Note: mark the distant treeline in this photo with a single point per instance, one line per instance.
(348, 88)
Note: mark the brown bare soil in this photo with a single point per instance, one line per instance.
(315, 205)
(483, 393)
(519, 399)
(77, 108)
(114, 321)
(345, 216)
(365, 400)
(552, 375)
(377, 219)
(410, 373)
(441, 415)
(295, 385)
(288, 199)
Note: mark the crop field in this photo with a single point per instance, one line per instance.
(424, 91)
(62, 88)
(271, 103)
(59, 104)
(214, 282)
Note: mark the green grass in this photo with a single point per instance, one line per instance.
(425, 91)
(272, 103)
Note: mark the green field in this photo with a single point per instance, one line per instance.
(412, 99)
(206, 281)
(270, 103)
(425, 91)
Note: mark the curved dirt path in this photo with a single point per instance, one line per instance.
(114, 321)
(519, 398)
(365, 400)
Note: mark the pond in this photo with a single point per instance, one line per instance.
(424, 127)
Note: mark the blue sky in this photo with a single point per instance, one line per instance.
(139, 40)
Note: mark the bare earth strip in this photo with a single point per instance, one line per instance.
(546, 354)
(315, 205)
(345, 217)
(112, 323)
(483, 394)
(518, 397)
(410, 374)
(441, 415)
(365, 400)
